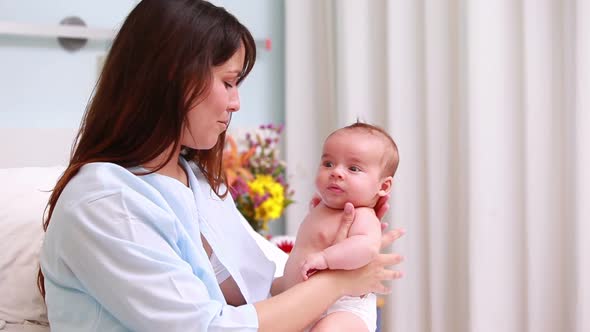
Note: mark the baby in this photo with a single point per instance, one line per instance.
(357, 166)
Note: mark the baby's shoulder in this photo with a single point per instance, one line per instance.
(366, 212)
(365, 220)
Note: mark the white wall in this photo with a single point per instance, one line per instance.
(44, 89)
(44, 86)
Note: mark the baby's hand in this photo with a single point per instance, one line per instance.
(313, 263)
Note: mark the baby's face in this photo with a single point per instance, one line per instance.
(351, 169)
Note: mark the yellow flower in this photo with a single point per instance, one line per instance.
(272, 206)
(256, 177)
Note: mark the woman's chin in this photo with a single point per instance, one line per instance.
(208, 145)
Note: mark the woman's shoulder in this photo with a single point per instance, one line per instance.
(106, 192)
(105, 174)
(96, 181)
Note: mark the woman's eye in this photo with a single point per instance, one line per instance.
(228, 85)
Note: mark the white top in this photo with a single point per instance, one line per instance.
(124, 252)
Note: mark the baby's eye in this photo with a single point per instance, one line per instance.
(327, 164)
(354, 169)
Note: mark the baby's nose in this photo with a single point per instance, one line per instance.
(337, 172)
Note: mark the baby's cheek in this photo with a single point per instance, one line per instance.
(318, 180)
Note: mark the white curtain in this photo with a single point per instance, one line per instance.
(489, 103)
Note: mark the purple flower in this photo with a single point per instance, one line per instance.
(238, 188)
(258, 200)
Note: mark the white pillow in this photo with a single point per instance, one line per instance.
(24, 192)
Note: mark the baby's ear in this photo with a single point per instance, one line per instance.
(386, 186)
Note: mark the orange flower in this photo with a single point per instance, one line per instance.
(235, 163)
(256, 177)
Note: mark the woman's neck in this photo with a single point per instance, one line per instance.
(172, 168)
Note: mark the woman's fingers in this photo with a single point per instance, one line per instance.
(382, 289)
(372, 277)
(388, 237)
(392, 274)
(389, 259)
(345, 223)
(382, 206)
(387, 275)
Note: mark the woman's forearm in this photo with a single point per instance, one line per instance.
(278, 286)
(300, 305)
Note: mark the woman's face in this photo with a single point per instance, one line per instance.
(208, 119)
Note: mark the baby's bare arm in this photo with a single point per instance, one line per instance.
(361, 246)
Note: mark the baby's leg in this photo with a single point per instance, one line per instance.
(340, 321)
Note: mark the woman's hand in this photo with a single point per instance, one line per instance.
(382, 206)
(348, 215)
(370, 278)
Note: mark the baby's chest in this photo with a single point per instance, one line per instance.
(322, 229)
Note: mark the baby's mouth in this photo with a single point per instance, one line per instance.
(335, 188)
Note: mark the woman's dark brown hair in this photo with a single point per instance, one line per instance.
(160, 64)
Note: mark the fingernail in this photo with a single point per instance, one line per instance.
(401, 274)
(347, 208)
(402, 231)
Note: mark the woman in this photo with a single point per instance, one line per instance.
(139, 233)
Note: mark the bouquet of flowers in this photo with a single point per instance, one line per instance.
(256, 176)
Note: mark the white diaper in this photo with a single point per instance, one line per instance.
(364, 308)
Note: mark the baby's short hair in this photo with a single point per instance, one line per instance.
(391, 153)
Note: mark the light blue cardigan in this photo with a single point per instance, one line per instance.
(124, 252)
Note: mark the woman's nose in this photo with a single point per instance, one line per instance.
(234, 101)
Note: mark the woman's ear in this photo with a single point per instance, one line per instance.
(385, 186)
